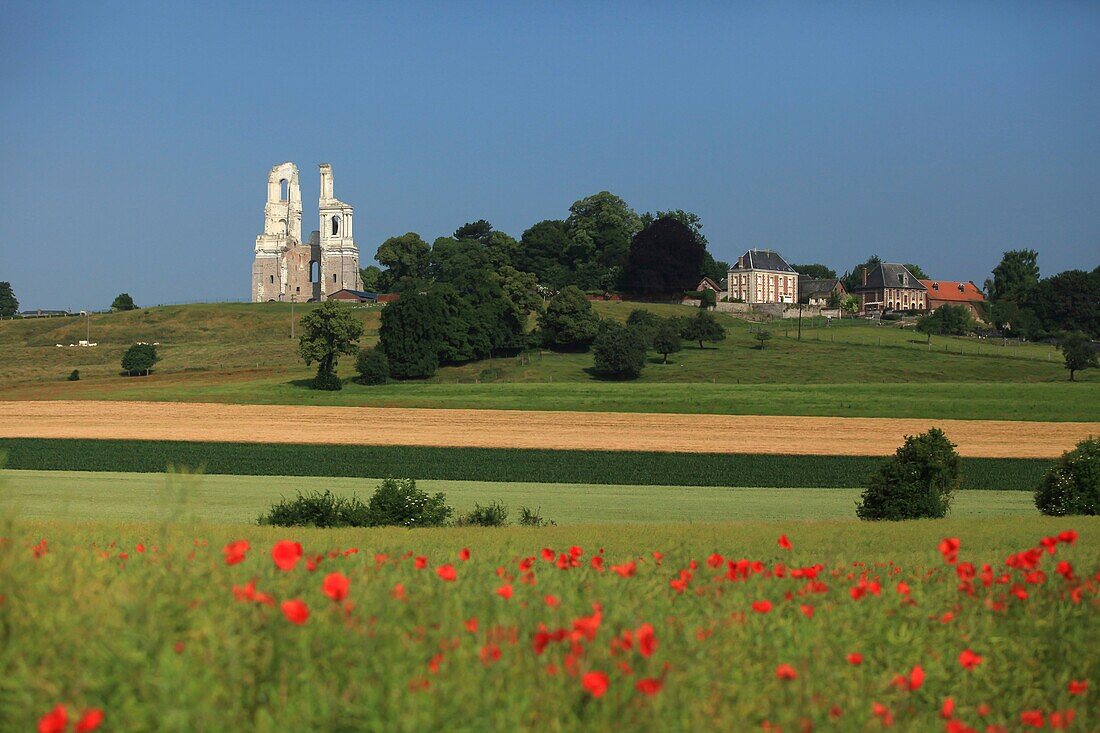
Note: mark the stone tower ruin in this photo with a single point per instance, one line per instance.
(288, 269)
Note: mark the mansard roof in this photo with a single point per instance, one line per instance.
(762, 259)
(889, 275)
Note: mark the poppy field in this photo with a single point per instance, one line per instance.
(950, 625)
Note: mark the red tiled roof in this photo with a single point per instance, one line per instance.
(953, 291)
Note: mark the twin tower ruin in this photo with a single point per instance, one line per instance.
(286, 269)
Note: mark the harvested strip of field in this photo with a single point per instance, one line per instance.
(520, 429)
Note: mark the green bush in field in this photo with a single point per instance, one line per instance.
(373, 366)
(529, 517)
(702, 326)
(666, 338)
(619, 352)
(1072, 486)
(569, 322)
(74, 375)
(139, 359)
(645, 323)
(494, 514)
(916, 483)
(397, 502)
(326, 381)
(317, 509)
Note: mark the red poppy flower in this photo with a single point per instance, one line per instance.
(1078, 687)
(295, 610)
(855, 659)
(336, 586)
(464, 554)
(420, 562)
(949, 548)
(626, 570)
(762, 606)
(647, 640)
(89, 721)
(1068, 536)
(883, 713)
(784, 543)
(595, 683)
(446, 572)
(286, 554)
(1032, 718)
(471, 625)
(785, 672)
(551, 601)
(912, 682)
(715, 560)
(807, 610)
(55, 721)
(649, 686)
(947, 709)
(505, 591)
(969, 660)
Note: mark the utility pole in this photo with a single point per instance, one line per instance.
(292, 299)
(800, 321)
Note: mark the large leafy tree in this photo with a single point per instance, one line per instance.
(665, 257)
(1078, 353)
(411, 334)
(478, 230)
(452, 259)
(916, 271)
(1017, 272)
(854, 278)
(569, 322)
(139, 359)
(9, 306)
(815, 271)
(406, 261)
(601, 227)
(716, 270)
(371, 275)
(1068, 301)
(522, 288)
(702, 326)
(544, 251)
(328, 331)
(947, 320)
(618, 352)
(123, 302)
(666, 338)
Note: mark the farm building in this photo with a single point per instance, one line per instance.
(354, 296)
(818, 292)
(762, 276)
(889, 287)
(945, 292)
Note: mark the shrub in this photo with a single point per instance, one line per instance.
(326, 381)
(1078, 353)
(373, 366)
(763, 336)
(1072, 486)
(317, 509)
(533, 518)
(619, 352)
(702, 326)
(916, 483)
(74, 375)
(569, 322)
(708, 299)
(666, 339)
(397, 502)
(493, 515)
(139, 358)
(123, 302)
(645, 323)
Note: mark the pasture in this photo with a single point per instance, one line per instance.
(179, 627)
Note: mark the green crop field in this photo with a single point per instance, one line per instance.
(243, 353)
(169, 627)
(135, 497)
(490, 464)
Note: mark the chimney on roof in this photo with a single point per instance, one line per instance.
(741, 262)
(864, 276)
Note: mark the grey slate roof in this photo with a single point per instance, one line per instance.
(889, 275)
(808, 287)
(762, 259)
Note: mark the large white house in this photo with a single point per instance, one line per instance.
(762, 276)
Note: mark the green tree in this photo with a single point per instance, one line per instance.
(544, 251)
(1068, 301)
(762, 336)
(815, 271)
(522, 288)
(502, 249)
(917, 272)
(849, 304)
(1017, 272)
(328, 331)
(716, 270)
(478, 230)
(569, 322)
(1072, 486)
(411, 334)
(9, 306)
(645, 323)
(702, 326)
(373, 366)
(708, 299)
(139, 359)
(406, 261)
(854, 278)
(371, 276)
(601, 227)
(666, 338)
(452, 259)
(665, 257)
(618, 352)
(123, 302)
(917, 482)
(1078, 353)
(947, 320)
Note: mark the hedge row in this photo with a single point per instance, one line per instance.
(489, 464)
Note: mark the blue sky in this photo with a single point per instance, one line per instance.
(135, 139)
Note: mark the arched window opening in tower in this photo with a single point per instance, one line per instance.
(335, 225)
(283, 188)
(315, 272)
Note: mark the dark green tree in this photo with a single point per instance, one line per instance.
(1078, 353)
(1017, 272)
(544, 251)
(411, 334)
(665, 257)
(1068, 301)
(601, 227)
(916, 271)
(502, 249)
(700, 327)
(123, 302)
(708, 299)
(854, 278)
(947, 320)
(452, 259)
(815, 271)
(618, 352)
(373, 366)
(406, 261)
(9, 306)
(917, 482)
(74, 375)
(1072, 486)
(139, 359)
(762, 336)
(478, 230)
(666, 338)
(645, 323)
(328, 331)
(522, 288)
(569, 322)
(371, 276)
(716, 270)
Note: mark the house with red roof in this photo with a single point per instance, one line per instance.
(946, 292)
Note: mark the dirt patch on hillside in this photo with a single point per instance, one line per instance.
(518, 429)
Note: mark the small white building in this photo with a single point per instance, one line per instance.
(762, 276)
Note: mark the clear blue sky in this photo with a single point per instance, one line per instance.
(135, 139)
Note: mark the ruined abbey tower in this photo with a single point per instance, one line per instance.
(288, 269)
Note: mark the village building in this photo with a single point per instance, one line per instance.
(819, 292)
(890, 287)
(946, 292)
(354, 296)
(287, 269)
(762, 276)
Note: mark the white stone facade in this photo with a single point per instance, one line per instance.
(287, 269)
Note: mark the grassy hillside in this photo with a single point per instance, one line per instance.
(243, 353)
